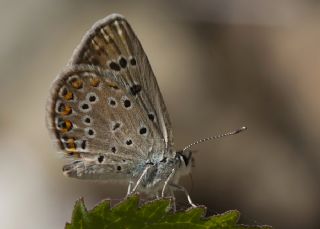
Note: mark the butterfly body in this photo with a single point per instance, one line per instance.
(151, 183)
(107, 115)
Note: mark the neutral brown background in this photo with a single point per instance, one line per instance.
(219, 64)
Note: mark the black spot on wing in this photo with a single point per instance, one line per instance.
(114, 66)
(135, 89)
(123, 62)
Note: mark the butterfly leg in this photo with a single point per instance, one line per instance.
(183, 189)
(157, 195)
(167, 181)
(129, 187)
(140, 179)
(174, 206)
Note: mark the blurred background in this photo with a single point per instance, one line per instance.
(220, 65)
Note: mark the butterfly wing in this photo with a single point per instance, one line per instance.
(112, 45)
(98, 124)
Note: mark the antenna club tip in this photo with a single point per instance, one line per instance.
(240, 130)
(244, 128)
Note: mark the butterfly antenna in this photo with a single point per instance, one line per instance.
(215, 137)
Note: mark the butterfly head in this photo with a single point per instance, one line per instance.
(186, 161)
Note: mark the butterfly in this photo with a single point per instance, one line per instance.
(107, 116)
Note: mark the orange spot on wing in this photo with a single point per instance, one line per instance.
(68, 95)
(65, 126)
(67, 110)
(76, 83)
(70, 145)
(112, 85)
(64, 109)
(94, 82)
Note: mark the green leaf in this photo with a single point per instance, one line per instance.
(154, 214)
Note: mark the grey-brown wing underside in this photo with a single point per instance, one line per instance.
(112, 44)
(97, 124)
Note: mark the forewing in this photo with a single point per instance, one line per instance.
(97, 123)
(112, 44)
